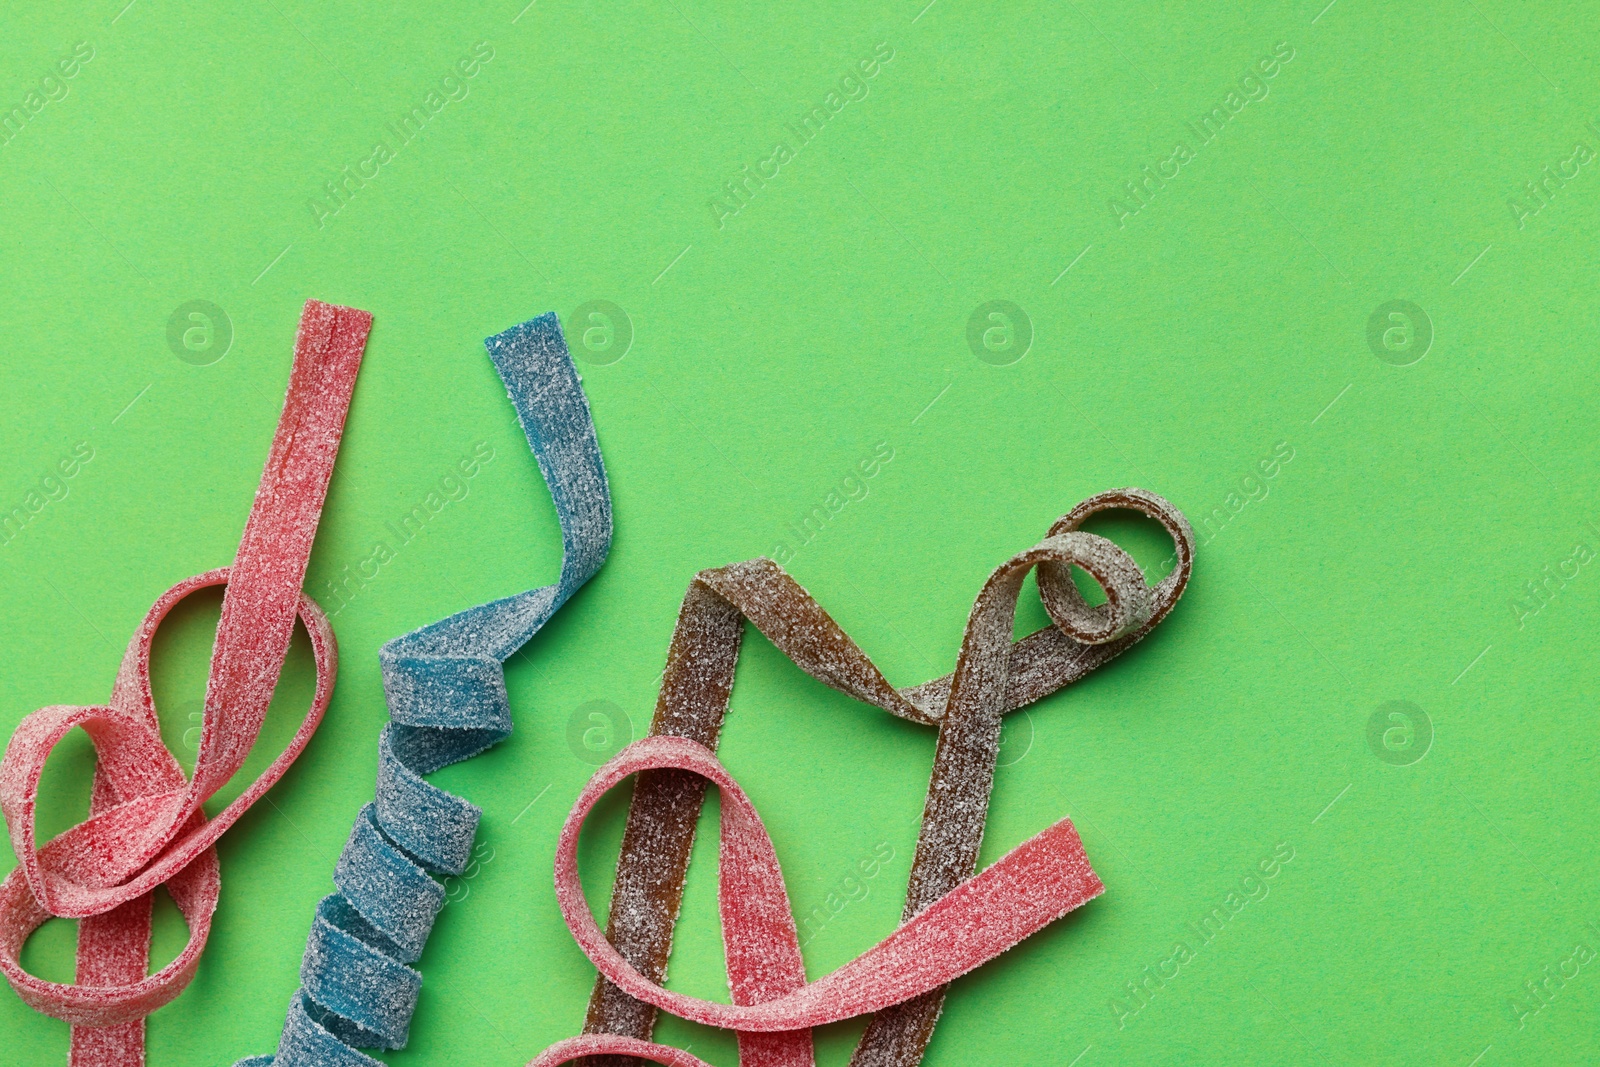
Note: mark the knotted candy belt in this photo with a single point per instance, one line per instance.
(952, 921)
(446, 691)
(146, 826)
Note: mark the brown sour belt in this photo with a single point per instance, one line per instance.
(994, 675)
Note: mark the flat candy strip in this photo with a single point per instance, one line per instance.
(146, 825)
(993, 676)
(446, 691)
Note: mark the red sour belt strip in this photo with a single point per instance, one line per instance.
(146, 825)
(1033, 885)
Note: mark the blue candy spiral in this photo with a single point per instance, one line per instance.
(446, 691)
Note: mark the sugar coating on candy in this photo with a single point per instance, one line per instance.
(146, 826)
(357, 980)
(994, 675)
(446, 691)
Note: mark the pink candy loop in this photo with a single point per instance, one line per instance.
(1024, 891)
(194, 890)
(146, 824)
(81, 872)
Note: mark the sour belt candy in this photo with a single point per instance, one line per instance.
(993, 676)
(146, 826)
(446, 691)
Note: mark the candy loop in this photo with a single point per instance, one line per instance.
(1030, 887)
(146, 823)
(194, 890)
(445, 686)
(1128, 602)
(73, 875)
(1056, 589)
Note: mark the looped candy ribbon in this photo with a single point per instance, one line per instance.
(146, 825)
(445, 685)
(773, 1006)
(952, 920)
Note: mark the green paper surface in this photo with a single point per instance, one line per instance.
(1377, 688)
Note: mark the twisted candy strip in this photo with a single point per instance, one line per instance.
(446, 691)
(146, 826)
(993, 676)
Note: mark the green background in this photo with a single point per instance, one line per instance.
(1227, 318)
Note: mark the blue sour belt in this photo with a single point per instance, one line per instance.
(446, 691)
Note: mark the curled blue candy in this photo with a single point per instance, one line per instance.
(446, 690)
